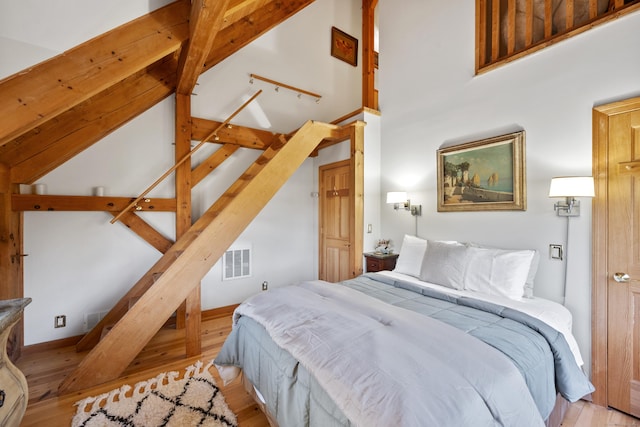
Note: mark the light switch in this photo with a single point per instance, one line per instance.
(556, 252)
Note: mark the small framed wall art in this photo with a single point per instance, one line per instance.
(344, 46)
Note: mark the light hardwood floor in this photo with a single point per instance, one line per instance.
(46, 368)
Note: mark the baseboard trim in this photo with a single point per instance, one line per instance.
(214, 313)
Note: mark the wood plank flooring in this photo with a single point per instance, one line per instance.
(45, 369)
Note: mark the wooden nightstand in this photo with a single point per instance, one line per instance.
(379, 262)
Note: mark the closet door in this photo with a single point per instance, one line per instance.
(624, 263)
(336, 233)
(615, 369)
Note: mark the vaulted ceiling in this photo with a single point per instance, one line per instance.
(54, 110)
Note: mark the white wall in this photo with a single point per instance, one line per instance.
(430, 98)
(78, 262)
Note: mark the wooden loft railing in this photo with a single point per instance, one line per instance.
(509, 29)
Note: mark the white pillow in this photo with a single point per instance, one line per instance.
(411, 254)
(531, 275)
(498, 271)
(444, 264)
(528, 285)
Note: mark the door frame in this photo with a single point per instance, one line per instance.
(599, 273)
(356, 199)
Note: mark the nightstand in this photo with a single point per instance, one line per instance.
(379, 261)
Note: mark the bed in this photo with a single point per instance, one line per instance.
(445, 339)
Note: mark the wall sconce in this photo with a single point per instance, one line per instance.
(401, 200)
(570, 187)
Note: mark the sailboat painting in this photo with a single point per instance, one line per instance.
(483, 175)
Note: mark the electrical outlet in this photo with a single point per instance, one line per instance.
(60, 321)
(265, 285)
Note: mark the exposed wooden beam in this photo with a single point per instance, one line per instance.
(43, 203)
(205, 22)
(51, 144)
(189, 312)
(183, 172)
(90, 121)
(34, 96)
(237, 135)
(212, 162)
(146, 232)
(238, 9)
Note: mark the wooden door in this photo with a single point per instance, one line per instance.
(624, 259)
(617, 257)
(336, 232)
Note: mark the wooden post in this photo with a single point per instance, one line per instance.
(11, 255)
(357, 195)
(368, 52)
(189, 314)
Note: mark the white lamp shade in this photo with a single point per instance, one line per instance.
(397, 197)
(572, 186)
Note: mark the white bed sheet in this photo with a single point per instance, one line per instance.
(553, 314)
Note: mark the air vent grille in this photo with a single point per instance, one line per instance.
(236, 263)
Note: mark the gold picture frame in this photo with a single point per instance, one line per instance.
(484, 175)
(344, 46)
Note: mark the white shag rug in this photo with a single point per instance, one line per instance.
(166, 400)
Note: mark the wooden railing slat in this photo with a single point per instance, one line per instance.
(511, 19)
(510, 29)
(495, 29)
(570, 15)
(528, 37)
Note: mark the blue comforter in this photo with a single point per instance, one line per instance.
(295, 397)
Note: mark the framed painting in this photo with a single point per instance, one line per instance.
(483, 175)
(344, 46)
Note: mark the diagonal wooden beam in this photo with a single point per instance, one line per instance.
(211, 163)
(237, 135)
(238, 9)
(32, 97)
(205, 22)
(147, 232)
(51, 144)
